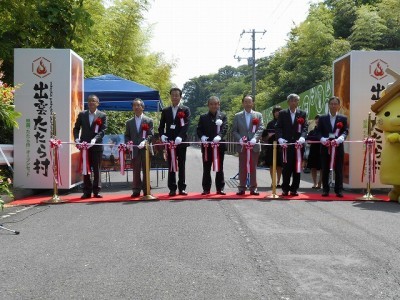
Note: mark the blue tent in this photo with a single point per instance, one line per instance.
(116, 93)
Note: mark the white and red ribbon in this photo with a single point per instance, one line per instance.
(216, 158)
(284, 153)
(332, 149)
(144, 133)
(96, 128)
(205, 145)
(56, 144)
(182, 121)
(249, 147)
(369, 150)
(84, 165)
(174, 163)
(121, 154)
(299, 160)
(254, 128)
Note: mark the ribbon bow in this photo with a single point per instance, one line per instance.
(56, 144)
(121, 154)
(298, 147)
(181, 116)
(98, 123)
(174, 163)
(84, 165)
(369, 149)
(216, 158)
(248, 156)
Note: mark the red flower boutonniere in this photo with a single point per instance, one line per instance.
(145, 128)
(255, 123)
(98, 123)
(300, 122)
(181, 116)
(339, 125)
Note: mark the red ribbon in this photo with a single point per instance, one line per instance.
(255, 123)
(145, 128)
(300, 121)
(121, 154)
(56, 144)
(84, 165)
(205, 145)
(339, 126)
(370, 149)
(98, 123)
(181, 116)
(298, 147)
(216, 158)
(174, 163)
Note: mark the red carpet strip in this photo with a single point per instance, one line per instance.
(113, 197)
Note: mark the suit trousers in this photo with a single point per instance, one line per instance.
(219, 176)
(243, 170)
(139, 164)
(181, 156)
(95, 158)
(289, 171)
(338, 168)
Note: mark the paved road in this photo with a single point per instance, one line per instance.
(241, 249)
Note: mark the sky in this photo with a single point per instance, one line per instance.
(202, 36)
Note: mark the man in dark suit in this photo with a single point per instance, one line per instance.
(291, 127)
(174, 124)
(332, 131)
(91, 124)
(212, 127)
(138, 130)
(248, 127)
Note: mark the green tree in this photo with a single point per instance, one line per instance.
(368, 30)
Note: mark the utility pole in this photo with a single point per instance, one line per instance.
(252, 60)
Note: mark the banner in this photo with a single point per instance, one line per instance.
(51, 81)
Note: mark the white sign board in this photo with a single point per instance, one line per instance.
(51, 81)
(359, 78)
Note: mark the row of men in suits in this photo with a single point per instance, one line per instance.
(212, 127)
(292, 128)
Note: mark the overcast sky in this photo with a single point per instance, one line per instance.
(202, 36)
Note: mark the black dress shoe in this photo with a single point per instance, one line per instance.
(205, 192)
(340, 195)
(183, 193)
(135, 194)
(240, 193)
(86, 196)
(221, 192)
(172, 193)
(97, 196)
(294, 193)
(284, 194)
(254, 193)
(278, 186)
(325, 194)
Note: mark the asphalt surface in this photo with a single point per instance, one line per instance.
(200, 249)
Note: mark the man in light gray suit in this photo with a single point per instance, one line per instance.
(139, 129)
(247, 129)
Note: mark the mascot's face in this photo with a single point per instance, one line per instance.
(388, 119)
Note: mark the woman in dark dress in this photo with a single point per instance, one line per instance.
(269, 137)
(314, 156)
